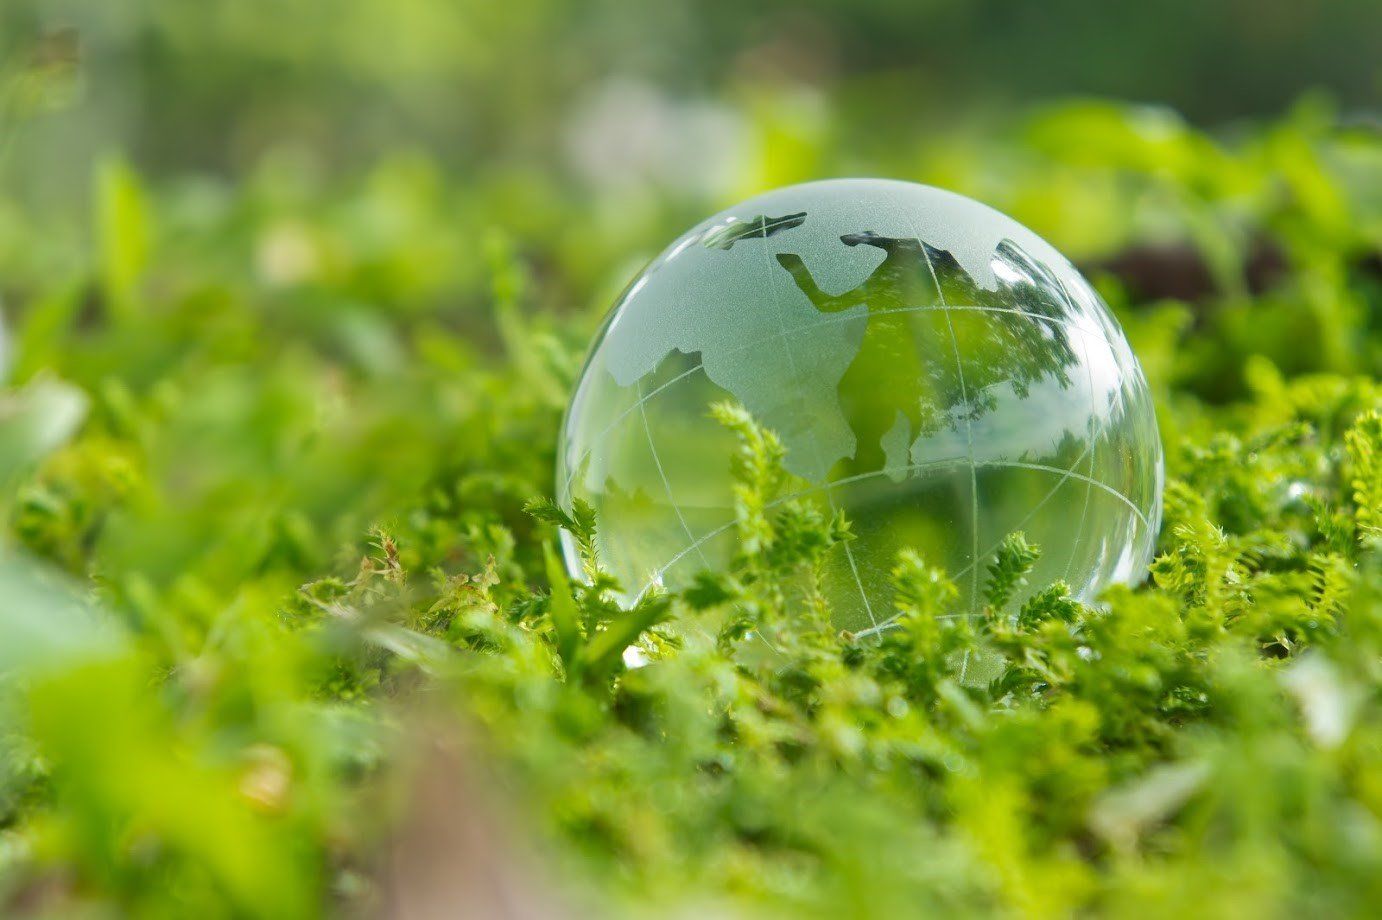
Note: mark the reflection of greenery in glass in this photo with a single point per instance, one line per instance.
(934, 370)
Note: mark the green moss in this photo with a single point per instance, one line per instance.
(302, 519)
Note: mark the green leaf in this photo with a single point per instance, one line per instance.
(562, 609)
(580, 522)
(1008, 571)
(921, 591)
(605, 649)
(1050, 603)
(45, 625)
(1364, 444)
(37, 420)
(123, 232)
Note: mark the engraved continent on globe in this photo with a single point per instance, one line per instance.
(934, 369)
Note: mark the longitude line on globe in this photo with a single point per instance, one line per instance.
(815, 448)
(661, 471)
(642, 399)
(969, 432)
(1095, 434)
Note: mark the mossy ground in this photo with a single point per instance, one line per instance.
(290, 439)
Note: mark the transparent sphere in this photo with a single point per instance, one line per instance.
(933, 368)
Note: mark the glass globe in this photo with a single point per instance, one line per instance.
(933, 368)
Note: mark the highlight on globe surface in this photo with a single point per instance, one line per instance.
(935, 371)
(828, 459)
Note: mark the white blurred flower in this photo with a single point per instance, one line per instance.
(627, 135)
(1327, 704)
(286, 254)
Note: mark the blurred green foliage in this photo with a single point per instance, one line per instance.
(279, 404)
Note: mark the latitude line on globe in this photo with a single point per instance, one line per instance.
(849, 480)
(1132, 506)
(661, 471)
(1031, 513)
(930, 308)
(920, 308)
(642, 399)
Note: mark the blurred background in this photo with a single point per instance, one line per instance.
(627, 103)
(602, 129)
(560, 87)
(597, 131)
(276, 273)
